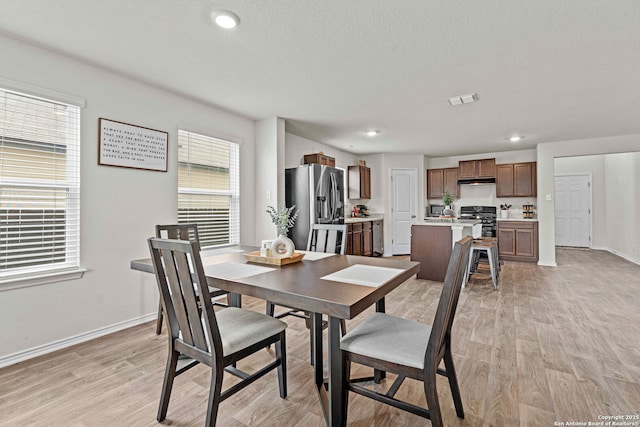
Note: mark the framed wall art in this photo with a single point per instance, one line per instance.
(129, 146)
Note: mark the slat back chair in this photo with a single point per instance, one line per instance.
(410, 349)
(328, 238)
(216, 339)
(181, 232)
(178, 232)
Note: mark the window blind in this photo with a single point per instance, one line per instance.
(208, 187)
(39, 185)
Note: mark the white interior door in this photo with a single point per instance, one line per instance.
(572, 205)
(403, 209)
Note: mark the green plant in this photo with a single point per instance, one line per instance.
(447, 199)
(283, 217)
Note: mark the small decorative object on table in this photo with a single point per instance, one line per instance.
(283, 218)
(504, 211)
(447, 201)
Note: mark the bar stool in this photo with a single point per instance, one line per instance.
(488, 245)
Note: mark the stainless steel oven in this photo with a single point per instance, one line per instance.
(486, 214)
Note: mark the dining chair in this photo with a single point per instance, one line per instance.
(326, 238)
(408, 348)
(182, 232)
(216, 339)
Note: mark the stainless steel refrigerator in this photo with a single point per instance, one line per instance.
(318, 193)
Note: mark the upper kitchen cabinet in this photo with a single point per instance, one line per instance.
(516, 180)
(441, 180)
(359, 182)
(484, 168)
(320, 159)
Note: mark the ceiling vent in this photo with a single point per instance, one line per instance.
(463, 99)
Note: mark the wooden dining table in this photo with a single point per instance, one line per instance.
(338, 286)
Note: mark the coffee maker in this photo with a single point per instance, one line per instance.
(361, 211)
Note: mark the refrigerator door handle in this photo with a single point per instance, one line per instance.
(334, 189)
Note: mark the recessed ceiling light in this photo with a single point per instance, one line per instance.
(515, 138)
(371, 132)
(225, 19)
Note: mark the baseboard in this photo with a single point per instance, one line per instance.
(68, 342)
(621, 255)
(547, 264)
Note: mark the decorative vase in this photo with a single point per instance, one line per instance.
(504, 213)
(282, 247)
(447, 211)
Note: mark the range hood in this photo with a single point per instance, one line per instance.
(477, 181)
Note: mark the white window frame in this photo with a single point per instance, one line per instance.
(233, 194)
(50, 273)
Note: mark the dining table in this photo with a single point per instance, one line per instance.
(337, 286)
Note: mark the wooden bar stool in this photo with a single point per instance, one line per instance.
(489, 246)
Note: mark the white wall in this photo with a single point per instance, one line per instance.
(622, 201)
(119, 207)
(546, 153)
(270, 165)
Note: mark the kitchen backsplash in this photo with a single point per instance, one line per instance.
(485, 195)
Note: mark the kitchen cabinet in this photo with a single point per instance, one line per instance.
(354, 239)
(518, 240)
(441, 180)
(431, 247)
(483, 168)
(367, 239)
(516, 180)
(361, 238)
(359, 182)
(320, 158)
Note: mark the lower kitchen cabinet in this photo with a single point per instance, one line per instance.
(367, 239)
(354, 239)
(518, 240)
(361, 238)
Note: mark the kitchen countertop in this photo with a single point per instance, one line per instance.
(517, 219)
(371, 217)
(449, 222)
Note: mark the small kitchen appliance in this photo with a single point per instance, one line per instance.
(435, 210)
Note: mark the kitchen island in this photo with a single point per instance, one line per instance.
(432, 242)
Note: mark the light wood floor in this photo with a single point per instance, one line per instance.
(552, 344)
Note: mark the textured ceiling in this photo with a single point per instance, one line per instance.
(547, 69)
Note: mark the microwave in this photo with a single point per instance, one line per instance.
(435, 210)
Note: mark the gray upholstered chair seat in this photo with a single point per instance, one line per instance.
(240, 328)
(389, 338)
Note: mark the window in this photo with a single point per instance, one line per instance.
(39, 186)
(208, 187)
